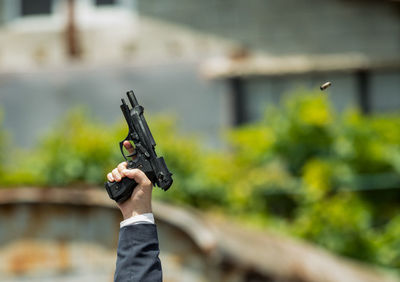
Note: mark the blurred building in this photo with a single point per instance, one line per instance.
(60, 54)
(211, 63)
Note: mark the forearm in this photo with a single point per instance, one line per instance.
(137, 256)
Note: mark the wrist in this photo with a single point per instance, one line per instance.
(127, 215)
(139, 202)
(128, 209)
(138, 219)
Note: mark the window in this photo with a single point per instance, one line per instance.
(37, 7)
(105, 2)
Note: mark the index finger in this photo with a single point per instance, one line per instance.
(129, 147)
(137, 175)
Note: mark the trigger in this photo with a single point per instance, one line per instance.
(133, 154)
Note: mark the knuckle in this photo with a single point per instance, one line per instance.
(147, 182)
(121, 168)
(116, 174)
(122, 165)
(109, 176)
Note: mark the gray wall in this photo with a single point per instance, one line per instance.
(33, 102)
(291, 26)
(385, 89)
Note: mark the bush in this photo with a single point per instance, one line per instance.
(76, 151)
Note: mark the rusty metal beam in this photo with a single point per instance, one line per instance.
(72, 40)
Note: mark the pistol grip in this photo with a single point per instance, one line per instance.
(122, 190)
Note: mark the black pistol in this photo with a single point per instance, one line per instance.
(144, 155)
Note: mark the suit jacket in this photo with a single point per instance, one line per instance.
(137, 254)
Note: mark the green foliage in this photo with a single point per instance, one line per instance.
(76, 151)
(191, 166)
(321, 175)
(387, 243)
(303, 169)
(340, 222)
(303, 129)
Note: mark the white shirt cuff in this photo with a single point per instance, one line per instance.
(146, 218)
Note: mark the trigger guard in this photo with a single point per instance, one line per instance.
(121, 146)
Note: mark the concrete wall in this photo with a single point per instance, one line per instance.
(63, 235)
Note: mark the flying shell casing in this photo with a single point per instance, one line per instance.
(325, 85)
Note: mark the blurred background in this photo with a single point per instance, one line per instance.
(274, 180)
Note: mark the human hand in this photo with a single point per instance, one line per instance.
(140, 200)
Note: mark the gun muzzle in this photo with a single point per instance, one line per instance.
(132, 98)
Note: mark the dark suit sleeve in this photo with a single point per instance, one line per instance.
(137, 255)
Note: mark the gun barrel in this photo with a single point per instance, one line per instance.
(147, 131)
(132, 98)
(125, 111)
